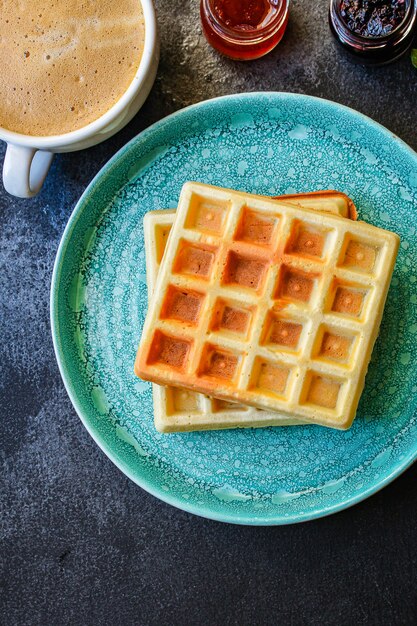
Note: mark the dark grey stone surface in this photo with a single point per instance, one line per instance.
(81, 544)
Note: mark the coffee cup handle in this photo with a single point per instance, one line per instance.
(25, 169)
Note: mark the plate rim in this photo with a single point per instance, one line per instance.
(173, 500)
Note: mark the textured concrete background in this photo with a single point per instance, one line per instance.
(81, 544)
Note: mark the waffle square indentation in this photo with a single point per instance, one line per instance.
(347, 299)
(321, 390)
(195, 259)
(161, 237)
(306, 240)
(334, 344)
(294, 285)
(220, 363)
(244, 271)
(182, 401)
(182, 304)
(280, 332)
(232, 317)
(269, 377)
(256, 227)
(168, 350)
(221, 406)
(207, 215)
(358, 255)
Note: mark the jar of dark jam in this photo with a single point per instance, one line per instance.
(374, 31)
(244, 29)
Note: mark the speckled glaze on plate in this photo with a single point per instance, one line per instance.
(269, 143)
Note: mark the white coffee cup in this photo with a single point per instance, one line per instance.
(28, 158)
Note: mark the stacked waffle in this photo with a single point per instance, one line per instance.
(262, 311)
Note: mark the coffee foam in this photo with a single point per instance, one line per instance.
(65, 63)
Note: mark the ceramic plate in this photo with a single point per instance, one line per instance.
(261, 143)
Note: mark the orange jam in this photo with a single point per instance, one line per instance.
(244, 29)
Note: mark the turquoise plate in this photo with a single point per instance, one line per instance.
(267, 143)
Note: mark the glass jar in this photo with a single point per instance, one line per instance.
(375, 50)
(244, 42)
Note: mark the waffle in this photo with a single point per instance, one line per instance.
(330, 201)
(267, 304)
(177, 409)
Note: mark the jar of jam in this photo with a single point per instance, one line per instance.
(374, 31)
(244, 29)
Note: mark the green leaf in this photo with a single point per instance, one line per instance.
(414, 57)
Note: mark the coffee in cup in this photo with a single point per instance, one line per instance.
(65, 63)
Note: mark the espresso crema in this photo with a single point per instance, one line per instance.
(65, 62)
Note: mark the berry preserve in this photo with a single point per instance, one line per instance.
(372, 18)
(374, 31)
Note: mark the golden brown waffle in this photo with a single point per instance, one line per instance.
(177, 409)
(267, 305)
(330, 201)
